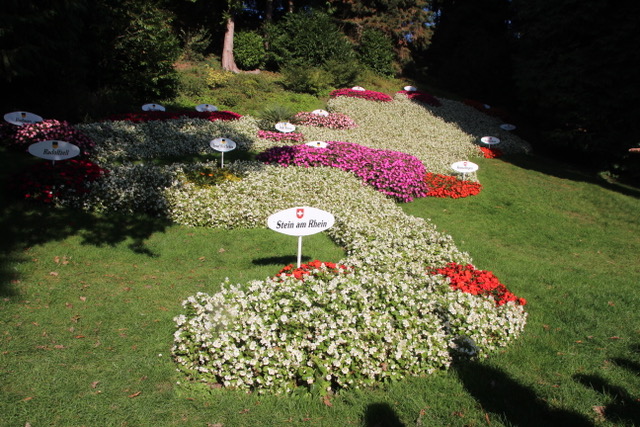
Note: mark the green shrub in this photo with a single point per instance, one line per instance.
(248, 50)
(312, 80)
(194, 43)
(376, 52)
(343, 73)
(307, 39)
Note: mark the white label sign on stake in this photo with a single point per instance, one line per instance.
(222, 145)
(317, 144)
(152, 107)
(300, 221)
(20, 118)
(54, 150)
(410, 88)
(464, 167)
(358, 88)
(285, 127)
(206, 108)
(490, 140)
(323, 113)
(507, 126)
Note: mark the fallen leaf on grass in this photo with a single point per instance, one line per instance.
(215, 425)
(53, 273)
(599, 410)
(615, 338)
(326, 400)
(136, 394)
(26, 399)
(244, 411)
(95, 384)
(83, 299)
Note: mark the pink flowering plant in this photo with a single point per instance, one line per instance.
(280, 136)
(332, 121)
(22, 136)
(393, 173)
(370, 95)
(146, 116)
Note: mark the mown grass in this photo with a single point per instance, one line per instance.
(87, 301)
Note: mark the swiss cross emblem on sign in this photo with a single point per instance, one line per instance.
(299, 212)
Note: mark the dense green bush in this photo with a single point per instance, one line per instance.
(312, 80)
(344, 73)
(376, 52)
(248, 50)
(307, 39)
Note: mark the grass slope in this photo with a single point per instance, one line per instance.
(87, 302)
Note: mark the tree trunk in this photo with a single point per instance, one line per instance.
(290, 6)
(268, 12)
(228, 62)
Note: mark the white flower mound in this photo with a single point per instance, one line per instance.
(385, 321)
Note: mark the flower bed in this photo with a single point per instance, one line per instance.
(145, 116)
(450, 186)
(369, 95)
(23, 136)
(422, 97)
(47, 182)
(490, 152)
(467, 278)
(314, 268)
(393, 173)
(280, 136)
(332, 121)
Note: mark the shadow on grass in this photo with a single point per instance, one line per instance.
(510, 401)
(280, 260)
(24, 226)
(381, 415)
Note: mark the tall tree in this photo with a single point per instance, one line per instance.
(470, 49)
(405, 21)
(575, 74)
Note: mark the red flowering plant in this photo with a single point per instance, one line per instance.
(315, 268)
(146, 116)
(467, 279)
(422, 97)
(491, 153)
(487, 109)
(30, 133)
(47, 182)
(362, 94)
(450, 186)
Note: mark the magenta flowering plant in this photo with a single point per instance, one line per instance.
(146, 116)
(280, 136)
(370, 95)
(393, 173)
(422, 97)
(332, 121)
(47, 182)
(23, 136)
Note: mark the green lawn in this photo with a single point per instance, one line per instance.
(87, 304)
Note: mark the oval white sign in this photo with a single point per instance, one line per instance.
(410, 88)
(464, 167)
(54, 150)
(358, 88)
(300, 221)
(317, 144)
(206, 108)
(222, 144)
(152, 107)
(285, 127)
(323, 113)
(507, 126)
(20, 118)
(490, 140)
